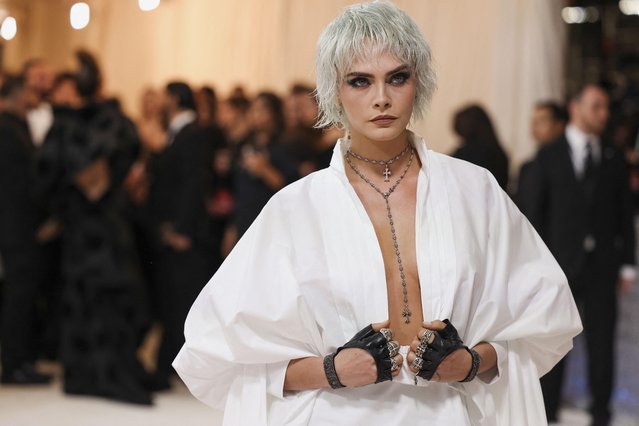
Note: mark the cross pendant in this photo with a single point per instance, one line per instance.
(406, 314)
(387, 174)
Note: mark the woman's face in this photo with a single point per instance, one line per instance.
(260, 115)
(377, 97)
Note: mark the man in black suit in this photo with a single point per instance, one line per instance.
(548, 123)
(180, 176)
(580, 203)
(19, 219)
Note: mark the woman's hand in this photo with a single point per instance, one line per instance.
(356, 367)
(453, 368)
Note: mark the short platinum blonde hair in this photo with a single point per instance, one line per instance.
(364, 31)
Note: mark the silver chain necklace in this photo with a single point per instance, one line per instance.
(406, 313)
(385, 163)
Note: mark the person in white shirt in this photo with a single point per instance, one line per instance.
(39, 80)
(455, 304)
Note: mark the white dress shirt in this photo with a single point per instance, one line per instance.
(40, 120)
(578, 140)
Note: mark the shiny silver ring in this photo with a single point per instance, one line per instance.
(394, 365)
(417, 364)
(388, 333)
(393, 348)
(421, 348)
(427, 337)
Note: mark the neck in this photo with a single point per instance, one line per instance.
(378, 149)
(582, 127)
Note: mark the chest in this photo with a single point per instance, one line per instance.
(349, 279)
(393, 219)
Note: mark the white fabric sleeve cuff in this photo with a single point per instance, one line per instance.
(275, 375)
(492, 376)
(628, 272)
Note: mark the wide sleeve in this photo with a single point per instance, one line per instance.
(247, 323)
(522, 300)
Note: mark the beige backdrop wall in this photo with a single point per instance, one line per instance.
(503, 54)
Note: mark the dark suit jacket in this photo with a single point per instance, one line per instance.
(18, 210)
(180, 177)
(565, 210)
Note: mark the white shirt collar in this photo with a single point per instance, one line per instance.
(181, 119)
(577, 140)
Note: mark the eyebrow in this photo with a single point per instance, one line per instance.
(364, 74)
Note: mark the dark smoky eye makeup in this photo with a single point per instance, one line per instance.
(400, 78)
(358, 81)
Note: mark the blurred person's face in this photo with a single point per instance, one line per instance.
(226, 115)
(229, 117)
(260, 116)
(202, 105)
(377, 98)
(544, 127)
(590, 112)
(40, 78)
(151, 103)
(66, 94)
(291, 111)
(169, 106)
(307, 110)
(30, 97)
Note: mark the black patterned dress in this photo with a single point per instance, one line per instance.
(104, 313)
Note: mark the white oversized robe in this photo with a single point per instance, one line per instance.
(309, 274)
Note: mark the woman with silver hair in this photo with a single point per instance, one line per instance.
(455, 305)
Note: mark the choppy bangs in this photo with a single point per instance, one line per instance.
(367, 31)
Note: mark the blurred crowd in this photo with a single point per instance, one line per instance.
(109, 225)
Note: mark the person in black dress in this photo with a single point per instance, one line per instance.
(82, 165)
(479, 143)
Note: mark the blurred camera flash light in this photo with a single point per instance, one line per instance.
(9, 28)
(629, 7)
(574, 15)
(147, 5)
(80, 15)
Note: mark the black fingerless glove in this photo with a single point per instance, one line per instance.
(375, 343)
(445, 342)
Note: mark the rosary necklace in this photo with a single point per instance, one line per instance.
(406, 313)
(385, 163)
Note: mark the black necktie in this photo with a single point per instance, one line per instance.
(589, 163)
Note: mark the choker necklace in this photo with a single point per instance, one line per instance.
(406, 313)
(386, 163)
